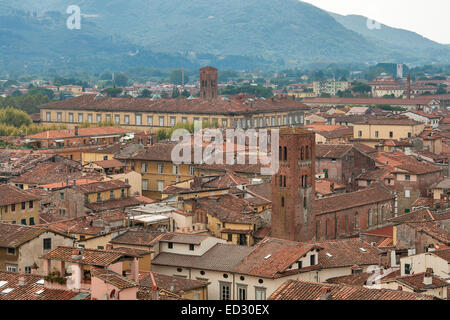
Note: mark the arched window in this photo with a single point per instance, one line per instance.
(306, 153)
(302, 154)
(356, 222)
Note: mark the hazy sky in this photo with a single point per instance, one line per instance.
(429, 18)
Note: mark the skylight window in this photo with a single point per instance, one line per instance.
(7, 290)
(39, 292)
(329, 255)
(267, 257)
(2, 283)
(363, 250)
(40, 281)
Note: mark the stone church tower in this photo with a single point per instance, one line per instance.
(293, 187)
(208, 83)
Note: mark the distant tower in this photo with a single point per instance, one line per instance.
(400, 70)
(208, 83)
(293, 187)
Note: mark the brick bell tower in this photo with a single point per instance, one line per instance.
(293, 187)
(208, 83)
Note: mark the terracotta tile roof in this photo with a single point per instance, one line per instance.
(101, 258)
(61, 185)
(196, 106)
(368, 101)
(444, 254)
(418, 167)
(424, 202)
(351, 200)
(262, 233)
(82, 132)
(432, 230)
(48, 172)
(262, 190)
(116, 204)
(221, 257)
(421, 215)
(156, 152)
(271, 258)
(138, 238)
(30, 289)
(113, 278)
(132, 251)
(11, 195)
(347, 252)
(145, 293)
(169, 283)
(113, 163)
(364, 148)
(229, 208)
(382, 232)
(100, 186)
(183, 238)
(338, 133)
(352, 280)
(332, 151)
(303, 290)
(86, 224)
(426, 115)
(237, 168)
(323, 187)
(229, 179)
(14, 235)
(415, 281)
(377, 174)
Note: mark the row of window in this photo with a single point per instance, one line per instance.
(22, 205)
(160, 168)
(377, 134)
(258, 122)
(99, 196)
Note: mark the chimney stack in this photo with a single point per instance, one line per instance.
(21, 282)
(325, 293)
(428, 277)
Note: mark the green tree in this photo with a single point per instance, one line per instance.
(45, 92)
(16, 93)
(13, 117)
(121, 80)
(145, 94)
(175, 93)
(185, 93)
(112, 92)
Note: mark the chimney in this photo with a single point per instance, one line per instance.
(21, 282)
(109, 246)
(332, 187)
(325, 293)
(74, 182)
(76, 130)
(428, 277)
(400, 288)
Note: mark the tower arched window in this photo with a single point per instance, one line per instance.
(306, 153)
(302, 153)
